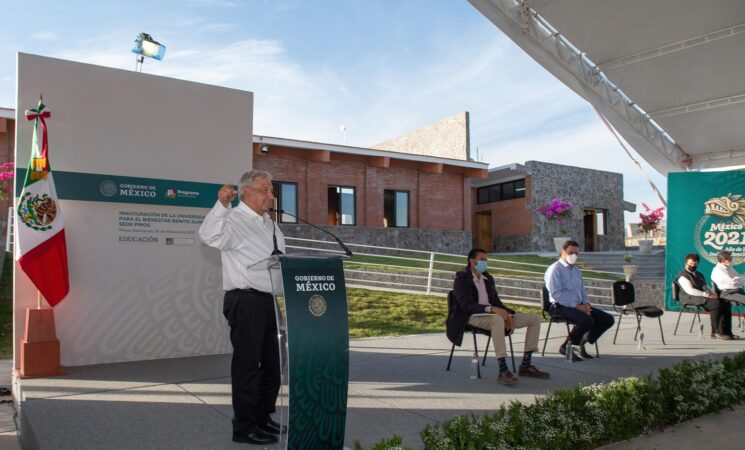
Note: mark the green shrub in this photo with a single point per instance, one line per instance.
(588, 416)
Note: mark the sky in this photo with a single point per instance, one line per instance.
(380, 68)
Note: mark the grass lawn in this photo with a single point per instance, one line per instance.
(380, 313)
(6, 308)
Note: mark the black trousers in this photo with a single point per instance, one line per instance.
(720, 312)
(596, 323)
(255, 371)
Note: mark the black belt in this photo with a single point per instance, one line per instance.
(251, 290)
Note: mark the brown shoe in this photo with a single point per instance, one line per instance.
(532, 372)
(722, 337)
(507, 378)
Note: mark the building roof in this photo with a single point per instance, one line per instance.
(362, 151)
(7, 113)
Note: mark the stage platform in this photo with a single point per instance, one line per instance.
(397, 386)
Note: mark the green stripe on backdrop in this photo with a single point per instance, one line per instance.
(133, 190)
(706, 214)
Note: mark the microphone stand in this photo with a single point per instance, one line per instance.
(276, 251)
(336, 238)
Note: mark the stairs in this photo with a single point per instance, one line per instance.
(650, 267)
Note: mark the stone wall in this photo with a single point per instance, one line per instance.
(585, 188)
(453, 242)
(447, 138)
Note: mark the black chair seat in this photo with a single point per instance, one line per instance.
(545, 302)
(624, 297)
(649, 311)
(474, 331)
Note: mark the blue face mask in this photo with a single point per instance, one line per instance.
(481, 266)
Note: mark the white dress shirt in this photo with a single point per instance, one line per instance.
(726, 278)
(688, 288)
(245, 241)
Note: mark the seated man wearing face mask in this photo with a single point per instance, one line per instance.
(693, 289)
(569, 300)
(478, 304)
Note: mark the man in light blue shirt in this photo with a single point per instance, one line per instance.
(569, 300)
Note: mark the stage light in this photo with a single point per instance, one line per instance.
(145, 45)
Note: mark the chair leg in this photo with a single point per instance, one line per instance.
(661, 333)
(512, 352)
(476, 352)
(597, 350)
(548, 331)
(693, 322)
(680, 314)
(486, 350)
(618, 325)
(638, 326)
(451, 357)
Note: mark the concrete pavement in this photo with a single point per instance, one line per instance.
(397, 386)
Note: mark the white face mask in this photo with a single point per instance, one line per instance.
(571, 259)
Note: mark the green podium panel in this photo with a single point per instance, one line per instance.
(318, 350)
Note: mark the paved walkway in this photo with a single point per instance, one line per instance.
(397, 386)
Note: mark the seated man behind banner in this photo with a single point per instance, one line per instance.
(478, 304)
(693, 289)
(569, 299)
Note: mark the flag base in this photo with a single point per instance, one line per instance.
(40, 349)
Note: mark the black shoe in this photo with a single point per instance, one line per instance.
(583, 353)
(272, 427)
(563, 351)
(256, 437)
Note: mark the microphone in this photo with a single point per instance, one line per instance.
(338, 241)
(276, 251)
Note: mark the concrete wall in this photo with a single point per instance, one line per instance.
(447, 138)
(456, 242)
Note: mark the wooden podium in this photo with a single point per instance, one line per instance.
(40, 351)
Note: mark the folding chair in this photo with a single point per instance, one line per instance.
(623, 296)
(684, 306)
(545, 300)
(474, 331)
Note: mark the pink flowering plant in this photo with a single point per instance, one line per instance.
(650, 222)
(6, 174)
(557, 211)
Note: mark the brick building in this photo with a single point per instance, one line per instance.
(504, 207)
(371, 196)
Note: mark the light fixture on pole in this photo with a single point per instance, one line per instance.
(145, 45)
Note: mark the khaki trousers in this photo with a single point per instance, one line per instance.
(495, 324)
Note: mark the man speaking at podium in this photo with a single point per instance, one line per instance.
(247, 235)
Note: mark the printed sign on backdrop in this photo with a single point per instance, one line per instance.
(706, 215)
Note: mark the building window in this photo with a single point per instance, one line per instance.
(285, 198)
(341, 205)
(501, 191)
(395, 209)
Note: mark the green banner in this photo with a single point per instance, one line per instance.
(318, 350)
(706, 215)
(121, 189)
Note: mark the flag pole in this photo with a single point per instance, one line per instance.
(38, 299)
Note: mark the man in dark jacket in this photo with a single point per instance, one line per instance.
(695, 290)
(477, 304)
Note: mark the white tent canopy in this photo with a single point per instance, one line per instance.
(669, 75)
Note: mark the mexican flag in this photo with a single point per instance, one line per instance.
(40, 235)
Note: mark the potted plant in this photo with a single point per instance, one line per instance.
(650, 222)
(629, 268)
(557, 211)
